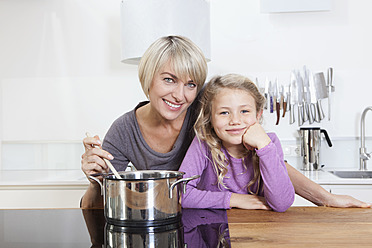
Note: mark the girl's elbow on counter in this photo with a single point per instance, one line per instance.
(283, 206)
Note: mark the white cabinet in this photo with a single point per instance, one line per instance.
(301, 202)
(361, 192)
(29, 197)
(41, 188)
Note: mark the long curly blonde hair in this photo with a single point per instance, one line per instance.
(205, 132)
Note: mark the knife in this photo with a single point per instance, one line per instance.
(281, 94)
(288, 95)
(314, 110)
(285, 99)
(300, 98)
(293, 98)
(305, 94)
(260, 89)
(330, 88)
(278, 98)
(271, 94)
(321, 91)
(266, 93)
(274, 96)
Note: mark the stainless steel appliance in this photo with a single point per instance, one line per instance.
(310, 146)
(143, 198)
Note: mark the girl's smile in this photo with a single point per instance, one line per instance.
(236, 131)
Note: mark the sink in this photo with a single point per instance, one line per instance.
(352, 174)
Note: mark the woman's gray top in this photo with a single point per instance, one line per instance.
(125, 142)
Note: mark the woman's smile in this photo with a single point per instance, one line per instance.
(173, 106)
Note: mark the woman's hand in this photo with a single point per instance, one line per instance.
(255, 137)
(345, 201)
(246, 201)
(313, 192)
(92, 161)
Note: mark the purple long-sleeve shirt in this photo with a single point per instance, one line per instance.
(205, 192)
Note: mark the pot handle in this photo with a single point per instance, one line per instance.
(184, 181)
(98, 181)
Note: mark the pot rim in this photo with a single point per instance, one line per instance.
(144, 175)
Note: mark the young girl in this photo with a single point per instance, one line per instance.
(240, 164)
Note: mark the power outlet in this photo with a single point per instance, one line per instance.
(292, 150)
(297, 150)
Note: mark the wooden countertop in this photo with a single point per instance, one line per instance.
(301, 227)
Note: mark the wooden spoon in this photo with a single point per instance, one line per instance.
(108, 163)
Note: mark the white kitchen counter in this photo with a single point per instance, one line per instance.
(29, 189)
(77, 177)
(359, 188)
(43, 178)
(64, 188)
(324, 177)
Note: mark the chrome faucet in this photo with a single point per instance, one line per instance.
(363, 155)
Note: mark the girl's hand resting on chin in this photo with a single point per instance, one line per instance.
(255, 137)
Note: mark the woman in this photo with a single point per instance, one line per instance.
(157, 133)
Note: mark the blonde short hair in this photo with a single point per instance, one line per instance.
(185, 57)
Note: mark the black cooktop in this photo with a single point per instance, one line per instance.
(87, 228)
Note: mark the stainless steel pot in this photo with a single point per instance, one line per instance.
(143, 198)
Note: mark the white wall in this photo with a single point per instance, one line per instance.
(61, 74)
(259, 45)
(60, 69)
